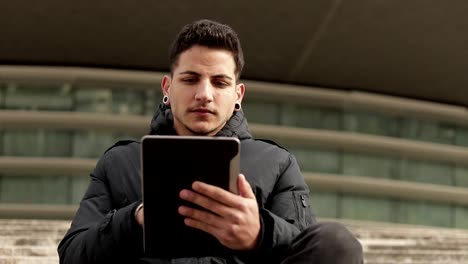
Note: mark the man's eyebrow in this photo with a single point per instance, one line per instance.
(190, 73)
(222, 76)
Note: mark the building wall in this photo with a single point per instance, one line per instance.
(129, 99)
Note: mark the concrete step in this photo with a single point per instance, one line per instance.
(436, 243)
(397, 243)
(29, 260)
(32, 240)
(28, 251)
(414, 255)
(35, 241)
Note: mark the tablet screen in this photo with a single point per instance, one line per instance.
(170, 164)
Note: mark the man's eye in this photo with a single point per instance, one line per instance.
(191, 80)
(221, 84)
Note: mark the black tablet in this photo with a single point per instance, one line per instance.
(170, 164)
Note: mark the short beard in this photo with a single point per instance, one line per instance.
(197, 133)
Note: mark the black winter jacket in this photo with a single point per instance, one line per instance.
(104, 229)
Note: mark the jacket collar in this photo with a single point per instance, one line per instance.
(163, 124)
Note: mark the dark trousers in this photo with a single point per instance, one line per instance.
(322, 243)
(325, 243)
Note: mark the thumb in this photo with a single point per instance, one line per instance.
(244, 187)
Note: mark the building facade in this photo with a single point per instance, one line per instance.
(365, 156)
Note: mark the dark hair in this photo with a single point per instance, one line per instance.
(210, 34)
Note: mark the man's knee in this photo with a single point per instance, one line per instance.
(326, 242)
(337, 238)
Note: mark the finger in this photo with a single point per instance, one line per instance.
(214, 231)
(244, 187)
(208, 203)
(201, 216)
(216, 193)
(226, 236)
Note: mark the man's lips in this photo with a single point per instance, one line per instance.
(202, 111)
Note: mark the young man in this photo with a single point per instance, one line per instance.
(269, 221)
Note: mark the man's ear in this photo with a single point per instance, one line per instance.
(240, 91)
(166, 84)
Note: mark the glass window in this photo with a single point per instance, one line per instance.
(2, 95)
(461, 216)
(93, 100)
(38, 142)
(38, 97)
(126, 101)
(461, 137)
(311, 117)
(2, 106)
(133, 101)
(366, 208)
(89, 144)
(78, 186)
(261, 112)
(424, 130)
(34, 189)
(425, 213)
(324, 204)
(2, 151)
(370, 123)
(427, 172)
(461, 176)
(315, 160)
(371, 166)
(153, 98)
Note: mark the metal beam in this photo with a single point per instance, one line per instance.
(336, 183)
(132, 124)
(377, 187)
(364, 143)
(289, 136)
(37, 211)
(40, 166)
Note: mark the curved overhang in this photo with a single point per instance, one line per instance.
(415, 49)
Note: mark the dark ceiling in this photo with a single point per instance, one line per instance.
(412, 48)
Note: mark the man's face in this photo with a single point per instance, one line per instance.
(202, 91)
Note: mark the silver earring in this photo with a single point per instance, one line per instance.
(166, 100)
(237, 106)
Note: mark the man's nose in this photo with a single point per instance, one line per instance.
(204, 91)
